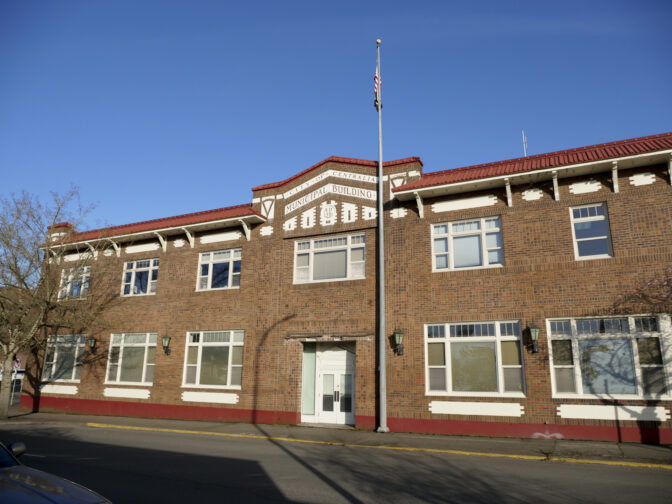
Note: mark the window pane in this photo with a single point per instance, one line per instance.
(191, 374)
(649, 351)
(328, 392)
(593, 247)
(590, 229)
(437, 379)
(238, 336)
(607, 366)
(65, 361)
(564, 380)
(513, 380)
(220, 275)
(141, 279)
(493, 240)
(112, 374)
(441, 262)
(440, 245)
(214, 365)
(204, 269)
(435, 354)
(473, 367)
(467, 251)
(237, 356)
(151, 354)
(357, 254)
(149, 373)
(329, 265)
(132, 362)
(510, 353)
(114, 355)
(302, 260)
(562, 352)
(236, 375)
(192, 355)
(495, 257)
(653, 380)
(135, 339)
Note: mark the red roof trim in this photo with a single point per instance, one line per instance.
(336, 159)
(166, 222)
(591, 153)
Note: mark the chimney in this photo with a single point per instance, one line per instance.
(58, 232)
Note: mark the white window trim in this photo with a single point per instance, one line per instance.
(68, 276)
(200, 346)
(147, 344)
(150, 268)
(311, 252)
(211, 262)
(498, 338)
(665, 338)
(604, 217)
(80, 348)
(449, 236)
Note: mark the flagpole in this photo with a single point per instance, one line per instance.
(382, 343)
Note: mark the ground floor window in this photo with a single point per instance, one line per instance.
(131, 358)
(63, 359)
(214, 359)
(475, 358)
(605, 357)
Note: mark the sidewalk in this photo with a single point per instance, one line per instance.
(611, 453)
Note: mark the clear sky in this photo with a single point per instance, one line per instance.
(158, 108)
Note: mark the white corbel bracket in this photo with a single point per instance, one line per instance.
(556, 189)
(162, 240)
(614, 175)
(190, 237)
(669, 168)
(421, 205)
(246, 228)
(116, 247)
(94, 252)
(509, 196)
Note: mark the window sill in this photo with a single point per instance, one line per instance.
(46, 382)
(219, 289)
(128, 384)
(617, 397)
(453, 270)
(590, 258)
(213, 387)
(138, 295)
(310, 282)
(504, 395)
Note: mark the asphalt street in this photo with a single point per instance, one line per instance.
(253, 465)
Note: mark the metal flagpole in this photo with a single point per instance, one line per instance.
(382, 344)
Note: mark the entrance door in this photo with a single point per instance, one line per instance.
(335, 385)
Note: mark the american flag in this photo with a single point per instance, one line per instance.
(376, 84)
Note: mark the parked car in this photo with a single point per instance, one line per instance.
(21, 484)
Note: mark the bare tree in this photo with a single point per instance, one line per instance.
(45, 281)
(652, 296)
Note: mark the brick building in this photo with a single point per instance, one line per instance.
(270, 307)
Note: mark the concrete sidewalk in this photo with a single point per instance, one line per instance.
(627, 454)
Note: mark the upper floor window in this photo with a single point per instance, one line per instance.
(63, 358)
(219, 270)
(328, 259)
(467, 244)
(140, 277)
(131, 358)
(74, 282)
(609, 357)
(590, 228)
(475, 358)
(214, 359)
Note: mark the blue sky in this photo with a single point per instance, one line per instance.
(158, 108)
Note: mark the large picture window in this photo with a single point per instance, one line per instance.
(609, 357)
(131, 358)
(479, 358)
(214, 359)
(63, 358)
(590, 229)
(467, 244)
(140, 277)
(328, 259)
(74, 282)
(219, 270)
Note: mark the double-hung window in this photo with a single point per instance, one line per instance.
(219, 270)
(609, 357)
(475, 358)
(328, 259)
(140, 277)
(74, 282)
(590, 229)
(467, 244)
(131, 358)
(214, 359)
(63, 359)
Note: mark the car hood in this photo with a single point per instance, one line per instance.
(20, 484)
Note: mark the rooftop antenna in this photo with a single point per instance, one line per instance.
(524, 143)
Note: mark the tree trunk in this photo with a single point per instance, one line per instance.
(6, 386)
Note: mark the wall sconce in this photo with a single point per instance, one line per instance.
(92, 344)
(398, 342)
(166, 344)
(534, 336)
